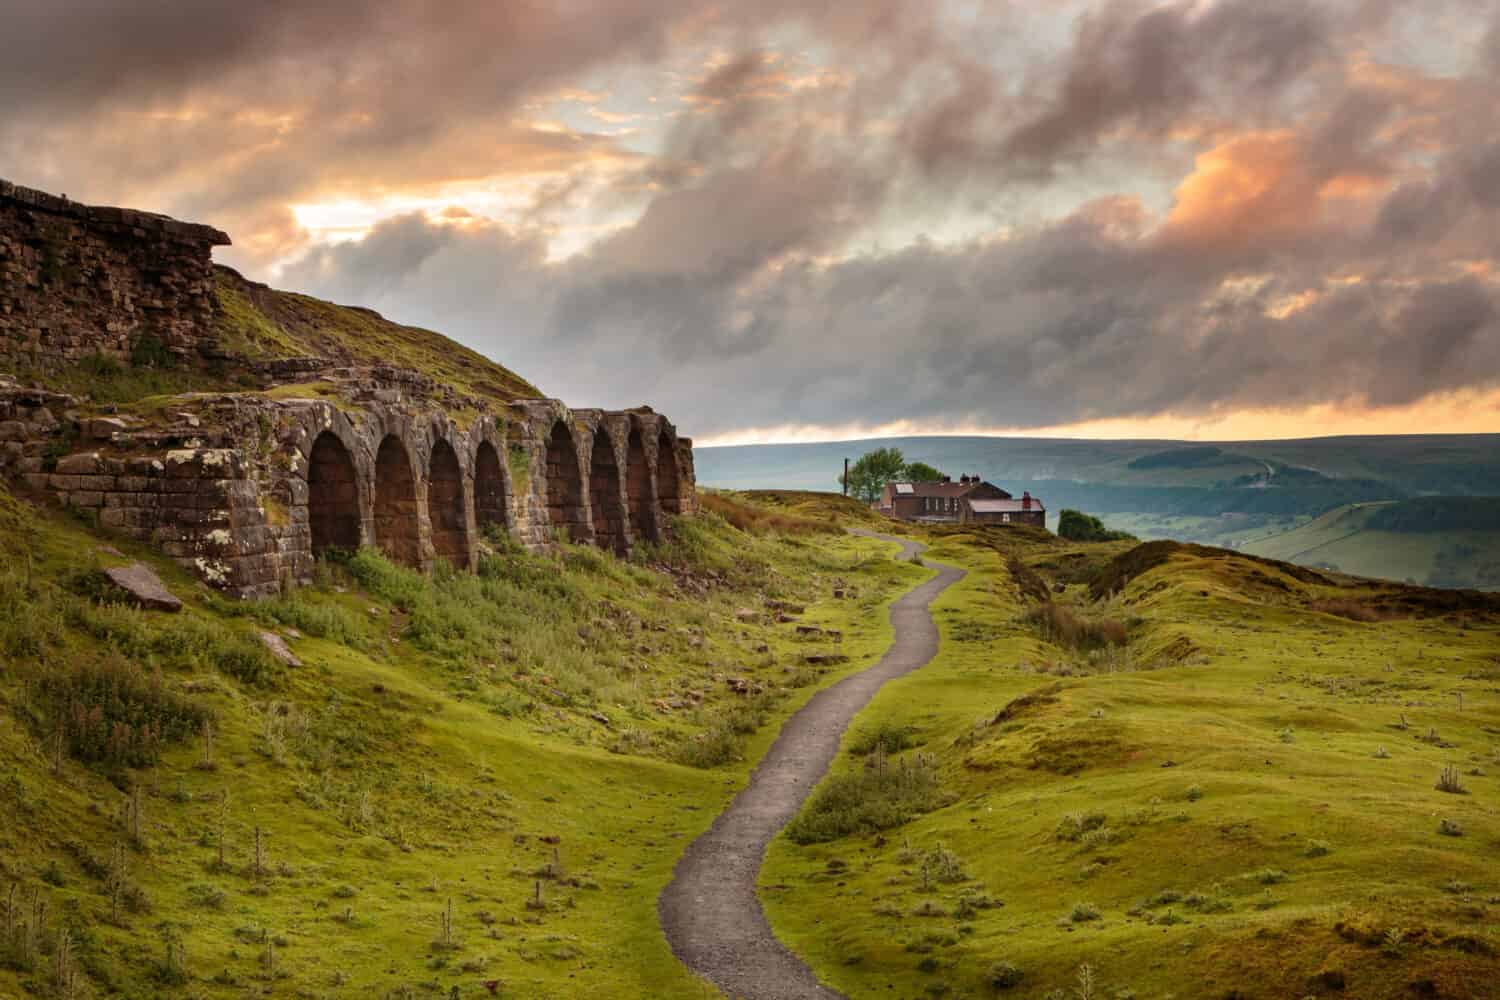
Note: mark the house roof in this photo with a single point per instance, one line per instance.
(1003, 506)
(939, 489)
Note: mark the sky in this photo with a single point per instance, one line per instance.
(781, 220)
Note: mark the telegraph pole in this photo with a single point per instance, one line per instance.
(846, 477)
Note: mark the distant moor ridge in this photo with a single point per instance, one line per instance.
(244, 431)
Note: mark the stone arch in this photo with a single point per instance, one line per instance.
(397, 529)
(333, 507)
(604, 494)
(638, 487)
(564, 483)
(445, 505)
(489, 488)
(668, 495)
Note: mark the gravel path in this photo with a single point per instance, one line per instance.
(710, 912)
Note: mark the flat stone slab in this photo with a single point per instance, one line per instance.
(144, 587)
(279, 649)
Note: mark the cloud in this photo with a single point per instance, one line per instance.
(1145, 66)
(955, 214)
(1089, 317)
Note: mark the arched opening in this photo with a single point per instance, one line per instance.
(445, 506)
(638, 488)
(604, 494)
(332, 496)
(666, 475)
(396, 504)
(489, 489)
(564, 485)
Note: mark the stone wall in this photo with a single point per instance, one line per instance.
(77, 280)
(247, 490)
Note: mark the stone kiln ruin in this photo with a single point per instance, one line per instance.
(248, 487)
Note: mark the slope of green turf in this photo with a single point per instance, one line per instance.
(471, 779)
(1239, 801)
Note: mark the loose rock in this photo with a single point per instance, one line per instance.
(279, 649)
(143, 587)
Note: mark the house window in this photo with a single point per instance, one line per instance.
(1005, 518)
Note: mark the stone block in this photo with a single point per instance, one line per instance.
(103, 428)
(82, 464)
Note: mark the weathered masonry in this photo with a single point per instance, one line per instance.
(249, 488)
(78, 281)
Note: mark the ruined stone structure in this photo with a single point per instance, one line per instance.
(77, 280)
(247, 488)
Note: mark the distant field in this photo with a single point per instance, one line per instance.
(1352, 539)
(1310, 501)
(1409, 465)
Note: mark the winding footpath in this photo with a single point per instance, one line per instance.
(710, 912)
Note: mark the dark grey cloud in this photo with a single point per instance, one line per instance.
(1142, 65)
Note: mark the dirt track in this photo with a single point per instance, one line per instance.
(709, 911)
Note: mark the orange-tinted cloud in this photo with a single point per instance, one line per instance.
(1262, 186)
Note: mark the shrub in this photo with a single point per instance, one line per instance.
(321, 621)
(716, 745)
(111, 711)
(1073, 826)
(206, 895)
(1061, 624)
(1450, 828)
(878, 796)
(1084, 912)
(942, 865)
(1316, 849)
(1077, 526)
(758, 520)
(886, 737)
(1003, 975)
(1194, 793)
(1449, 782)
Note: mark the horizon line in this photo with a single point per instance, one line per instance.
(709, 443)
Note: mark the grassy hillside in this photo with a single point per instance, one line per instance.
(257, 321)
(471, 778)
(1438, 541)
(1221, 781)
(1187, 773)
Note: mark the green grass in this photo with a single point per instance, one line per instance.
(460, 739)
(490, 776)
(1146, 817)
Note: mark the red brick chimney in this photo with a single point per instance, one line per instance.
(1025, 499)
